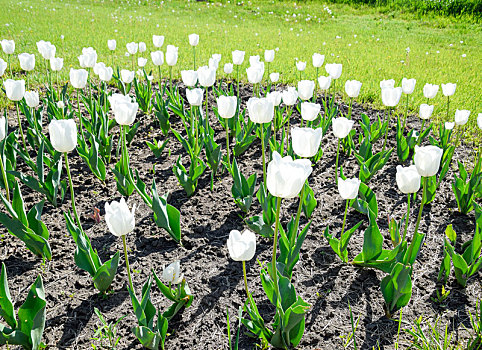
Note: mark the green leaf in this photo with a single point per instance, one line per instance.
(165, 215)
(31, 315)
(450, 233)
(147, 337)
(105, 273)
(6, 306)
(397, 288)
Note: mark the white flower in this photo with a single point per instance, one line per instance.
(241, 246)
(352, 88)
(141, 61)
(142, 47)
(408, 85)
(274, 77)
(172, 273)
(300, 65)
(171, 55)
(227, 106)
(427, 160)
(310, 111)
(158, 40)
(269, 55)
(290, 96)
(348, 188)
(461, 116)
(193, 39)
(63, 134)
(127, 76)
(132, 48)
(112, 44)
(124, 109)
(120, 220)
(389, 83)
(450, 125)
(408, 179)
(15, 89)
(228, 68)
(32, 99)
(425, 111)
(324, 82)
(430, 91)
(189, 77)
(195, 96)
(306, 141)
(206, 76)
(78, 78)
(260, 110)
(157, 58)
(27, 61)
(318, 60)
(56, 64)
(305, 89)
(448, 89)
(238, 57)
(391, 96)
(334, 70)
(342, 127)
(275, 97)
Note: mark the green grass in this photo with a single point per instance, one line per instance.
(377, 52)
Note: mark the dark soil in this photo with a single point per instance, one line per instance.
(215, 280)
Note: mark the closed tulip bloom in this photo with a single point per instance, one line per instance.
(206, 76)
(241, 246)
(171, 55)
(158, 40)
(342, 127)
(127, 76)
(214, 61)
(318, 60)
(274, 77)
(334, 70)
(46, 49)
(348, 188)
(228, 68)
(275, 97)
(427, 160)
(27, 61)
(189, 77)
(3, 132)
(286, 176)
(260, 110)
(425, 111)
(56, 64)
(112, 44)
(408, 85)
(193, 39)
(3, 67)
(449, 125)
(105, 74)
(120, 220)
(32, 99)
(195, 96)
(305, 89)
(306, 141)
(269, 55)
(352, 88)
(172, 273)
(63, 135)
(300, 65)
(389, 83)
(141, 61)
(461, 116)
(132, 48)
(142, 47)
(8, 46)
(15, 89)
(255, 73)
(391, 96)
(227, 106)
(238, 57)
(408, 179)
(98, 66)
(448, 89)
(309, 111)
(290, 96)
(324, 82)
(430, 90)
(479, 121)
(78, 78)
(157, 58)
(88, 58)
(124, 109)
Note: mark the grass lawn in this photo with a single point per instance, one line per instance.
(370, 45)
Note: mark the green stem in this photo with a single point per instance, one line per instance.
(237, 81)
(275, 248)
(170, 78)
(127, 263)
(386, 131)
(4, 175)
(336, 162)
(194, 52)
(448, 104)
(406, 219)
(160, 81)
(421, 131)
(80, 117)
(21, 130)
(406, 114)
(298, 215)
(227, 142)
(344, 218)
(424, 194)
(72, 197)
(245, 279)
(263, 153)
(349, 109)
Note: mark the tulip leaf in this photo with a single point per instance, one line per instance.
(165, 215)
(366, 202)
(147, 337)
(31, 314)
(397, 288)
(372, 243)
(6, 306)
(105, 274)
(309, 201)
(257, 224)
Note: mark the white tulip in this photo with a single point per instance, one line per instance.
(305, 89)
(274, 77)
(254, 60)
(158, 40)
(3, 131)
(189, 77)
(195, 96)
(391, 96)
(241, 246)
(238, 57)
(15, 89)
(461, 116)
(127, 76)
(141, 62)
(274, 97)
(227, 106)
(105, 74)
(306, 141)
(449, 125)
(132, 48)
(352, 88)
(425, 111)
(348, 188)
(206, 76)
(342, 127)
(408, 85)
(172, 273)
(479, 121)
(124, 109)
(228, 68)
(46, 49)
(427, 160)
(408, 179)
(27, 61)
(88, 58)
(448, 89)
(430, 91)
(269, 55)
(63, 135)
(324, 82)
(310, 111)
(255, 73)
(290, 96)
(112, 44)
(300, 65)
(3, 67)
(142, 47)
(32, 99)
(120, 220)
(56, 64)
(171, 55)
(8, 46)
(318, 60)
(334, 70)
(260, 110)
(157, 58)
(60, 104)
(389, 83)
(78, 78)
(193, 39)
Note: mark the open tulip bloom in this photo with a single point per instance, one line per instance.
(348, 190)
(408, 85)
(352, 89)
(408, 182)
(15, 91)
(390, 98)
(227, 109)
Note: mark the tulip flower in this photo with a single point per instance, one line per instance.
(425, 111)
(300, 66)
(448, 89)
(121, 221)
(214, 61)
(60, 104)
(158, 40)
(88, 58)
(142, 47)
(105, 74)
(274, 77)
(157, 58)
(132, 48)
(408, 85)
(27, 61)
(269, 56)
(3, 67)
(32, 99)
(189, 77)
(334, 70)
(352, 89)
(3, 134)
(124, 109)
(274, 97)
(290, 96)
(348, 190)
(78, 78)
(408, 182)
(341, 128)
(306, 141)
(127, 76)
(430, 91)
(8, 46)
(255, 73)
(317, 60)
(449, 125)
(324, 82)
(389, 83)
(390, 98)
(56, 64)
(46, 49)
(195, 97)
(228, 68)
(227, 109)
(172, 273)
(461, 118)
(241, 247)
(206, 76)
(238, 57)
(112, 44)
(141, 62)
(309, 111)
(193, 39)
(15, 91)
(171, 60)
(305, 89)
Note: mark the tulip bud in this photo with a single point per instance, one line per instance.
(387, 84)
(342, 127)
(260, 110)
(255, 73)
(3, 132)
(286, 177)
(241, 246)
(352, 88)
(189, 77)
(142, 47)
(206, 76)
(172, 273)
(112, 44)
(449, 125)
(124, 109)
(171, 55)
(195, 96)
(408, 179)
(334, 70)
(193, 39)
(46, 49)
(32, 99)
(318, 60)
(324, 82)
(8, 46)
(309, 111)
(408, 85)
(158, 40)
(120, 220)
(3, 67)
(448, 89)
(88, 58)
(391, 96)
(27, 61)
(348, 188)
(238, 57)
(461, 116)
(228, 68)
(141, 62)
(305, 89)
(306, 141)
(269, 55)
(105, 74)
(274, 97)
(430, 91)
(290, 96)
(157, 58)
(425, 111)
(15, 89)
(132, 48)
(56, 64)
(78, 78)
(300, 65)
(63, 134)
(127, 76)
(427, 160)
(227, 106)
(274, 77)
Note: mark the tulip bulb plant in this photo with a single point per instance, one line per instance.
(341, 128)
